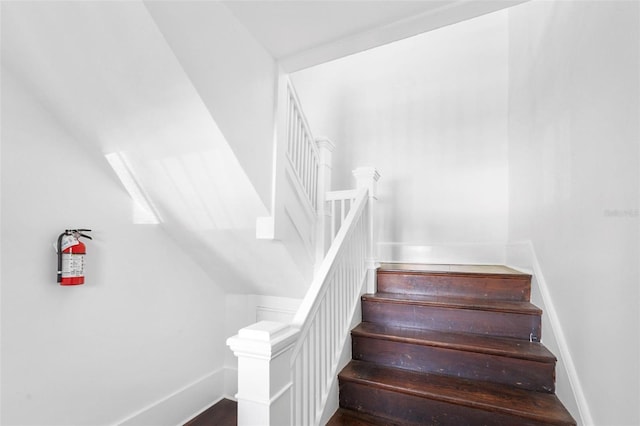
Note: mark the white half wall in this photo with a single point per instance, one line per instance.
(574, 132)
(146, 324)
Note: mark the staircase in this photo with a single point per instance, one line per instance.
(449, 345)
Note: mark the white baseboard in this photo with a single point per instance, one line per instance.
(522, 256)
(460, 253)
(183, 404)
(230, 383)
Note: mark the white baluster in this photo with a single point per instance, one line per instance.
(367, 177)
(325, 150)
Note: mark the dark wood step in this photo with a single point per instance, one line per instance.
(343, 417)
(425, 399)
(520, 320)
(413, 279)
(525, 365)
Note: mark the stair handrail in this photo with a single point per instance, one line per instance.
(274, 359)
(339, 205)
(325, 313)
(299, 362)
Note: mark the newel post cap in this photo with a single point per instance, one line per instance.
(367, 177)
(323, 142)
(264, 340)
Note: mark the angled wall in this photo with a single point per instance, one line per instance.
(145, 324)
(574, 132)
(143, 341)
(233, 74)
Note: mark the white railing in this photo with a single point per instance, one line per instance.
(339, 203)
(287, 372)
(326, 312)
(302, 152)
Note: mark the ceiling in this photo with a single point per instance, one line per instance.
(300, 34)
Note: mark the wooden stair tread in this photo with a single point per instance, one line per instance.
(353, 418)
(456, 302)
(514, 348)
(498, 270)
(491, 397)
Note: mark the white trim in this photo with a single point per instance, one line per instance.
(267, 402)
(347, 194)
(450, 13)
(529, 256)
(455, 253)
(183, 404)
(230, 383)
(264, 340)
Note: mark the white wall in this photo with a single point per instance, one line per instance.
(145, 324)
(430, 113)
(560, 82)
(573, 183)
(109, 74)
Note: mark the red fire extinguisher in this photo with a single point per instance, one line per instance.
(71, 252)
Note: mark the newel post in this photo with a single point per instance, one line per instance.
(367, 177)
(325, 152)
(264, 373)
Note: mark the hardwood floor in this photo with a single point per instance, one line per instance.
(224, 413)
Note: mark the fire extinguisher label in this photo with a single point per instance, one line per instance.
(68, 241)
(72, 265)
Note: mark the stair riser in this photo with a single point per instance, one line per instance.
(434, 284)
(414, 410)
(520, 373)
(500, 324)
